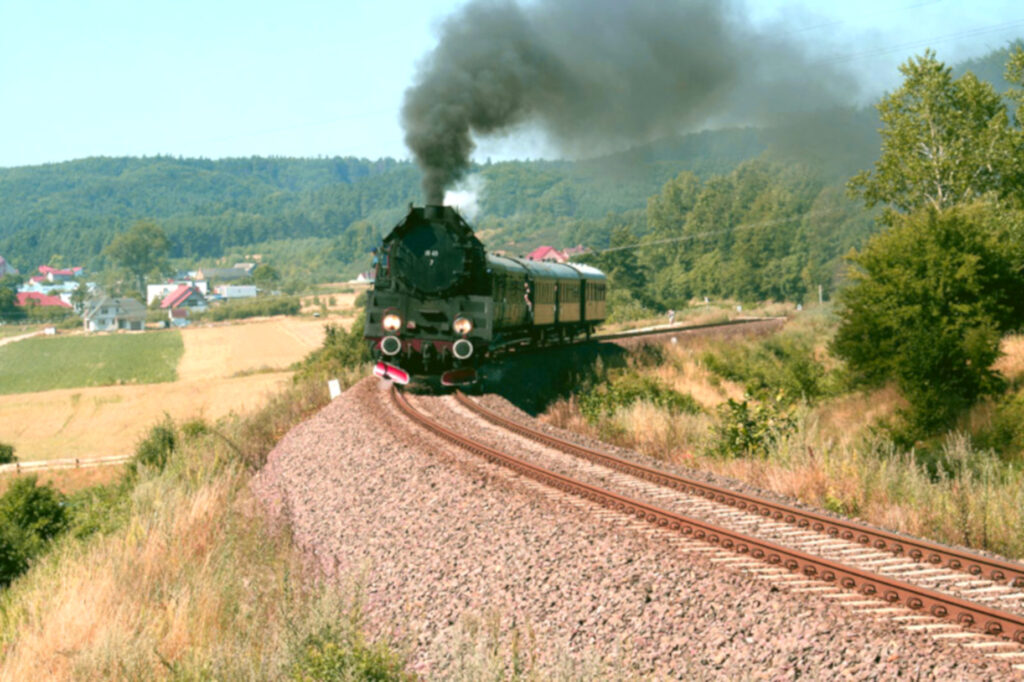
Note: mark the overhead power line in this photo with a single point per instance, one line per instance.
(715, 233)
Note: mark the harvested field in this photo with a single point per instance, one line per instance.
(92, 422)
(343, 301)
(219, 351)
(225, 368)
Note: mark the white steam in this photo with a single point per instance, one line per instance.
(465, 196)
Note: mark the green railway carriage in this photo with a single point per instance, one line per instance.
(440, 304)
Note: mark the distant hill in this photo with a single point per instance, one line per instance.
(212, 208)
(318, 218)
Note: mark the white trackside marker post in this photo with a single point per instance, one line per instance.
(334, 387)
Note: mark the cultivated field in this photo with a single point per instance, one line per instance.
(43, 363)
(335, 298)
(224, 368)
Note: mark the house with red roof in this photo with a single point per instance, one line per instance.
(548, 254)
(27, 298)
(58, 274)
(185, 296)
(180, 302)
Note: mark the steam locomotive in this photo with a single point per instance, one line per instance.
(440, 305)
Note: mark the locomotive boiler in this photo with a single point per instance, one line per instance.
(440, 305)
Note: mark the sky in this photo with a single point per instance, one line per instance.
(305, 78)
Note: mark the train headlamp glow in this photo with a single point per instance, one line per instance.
(391, 322)
(462, 325)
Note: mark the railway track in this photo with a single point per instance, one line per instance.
(660, 330)
(946, 592)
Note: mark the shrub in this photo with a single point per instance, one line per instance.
(156, 447)
(335, 653)
(627, 388)
(7, 454)
(623, 307)
(30, 516)
(360, 300)
(263, 306)
(750, 429)
(780, 367)
(99, 509)
(341, 350)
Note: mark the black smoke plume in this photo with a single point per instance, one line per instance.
(599, 74)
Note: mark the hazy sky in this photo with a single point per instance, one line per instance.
(223, 78)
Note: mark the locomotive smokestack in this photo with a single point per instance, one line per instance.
(434, 212)
(599, 74)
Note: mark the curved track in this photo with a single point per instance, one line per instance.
(811, 558)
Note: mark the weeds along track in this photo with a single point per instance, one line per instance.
(948, 593)
(743, 325)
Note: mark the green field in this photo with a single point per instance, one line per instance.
(18, 329)
(41, 364)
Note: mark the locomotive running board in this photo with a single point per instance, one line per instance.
(392, 373)
(458, 377)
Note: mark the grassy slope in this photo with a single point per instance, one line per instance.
(835, 456)
(41, 364)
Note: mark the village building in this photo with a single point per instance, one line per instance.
(550, 254)
(28, 298)
(233, 291)
(105, 313)
(157, 292)
(181, 301)
(49, 274)
(221, 274)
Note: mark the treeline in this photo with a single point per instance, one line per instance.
(762, 232)
(317, 219)
(74, 209)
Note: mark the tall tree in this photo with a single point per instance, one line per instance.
(141, 250)
(928, 307)
(934, 294)
(945, 142)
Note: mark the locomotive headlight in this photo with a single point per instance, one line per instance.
(462, 325)
(391, 322)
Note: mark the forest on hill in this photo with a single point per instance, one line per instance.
(317, 219)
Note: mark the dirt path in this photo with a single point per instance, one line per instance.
(22, 337)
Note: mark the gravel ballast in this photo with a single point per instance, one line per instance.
(453, 552)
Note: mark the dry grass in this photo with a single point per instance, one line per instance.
(343, 301)
(832, 460)
(1011, 364)
(700, 313)
(69, 480)
(218, 351)
(109, 420)
(196, 585)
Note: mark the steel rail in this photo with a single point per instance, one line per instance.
(679, 329)
(967, 614)
(918, 550)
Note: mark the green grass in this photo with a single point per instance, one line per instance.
(18, 329)
(41, 364)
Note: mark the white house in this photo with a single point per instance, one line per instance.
(230, 291)
(107, 314)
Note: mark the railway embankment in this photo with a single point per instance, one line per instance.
(457, 554)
